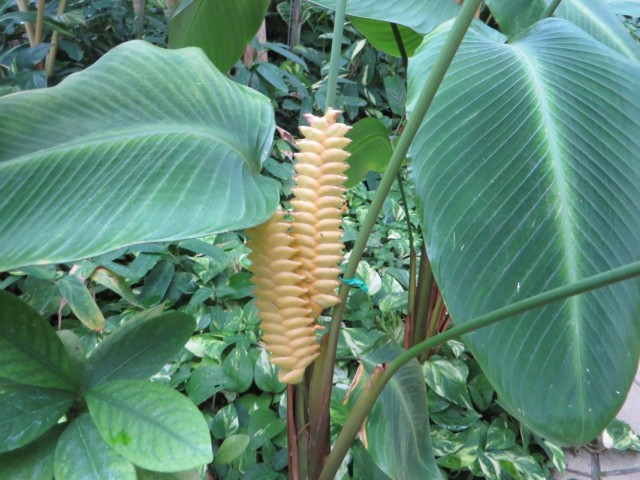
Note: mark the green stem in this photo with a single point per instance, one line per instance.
(423, 298)
(551, 8)
(320, 391)
(336, 51)
(377, 382)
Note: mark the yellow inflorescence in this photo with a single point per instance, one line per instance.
(317, 207)
(295, 265)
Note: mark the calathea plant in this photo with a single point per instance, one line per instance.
(526, 173)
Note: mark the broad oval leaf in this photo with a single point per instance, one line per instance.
(419, 15)
(145, 145)
(30, 351)
(221, 29)
(528, 176)
(81, 454)
(81, 302)
(150, 424)
(599, 20)
(26, 412)
(399, 418)
(139, 348)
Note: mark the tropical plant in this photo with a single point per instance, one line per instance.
(523, 142)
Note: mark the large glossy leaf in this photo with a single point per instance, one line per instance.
(625, 7)
(150, 424)
(370, 150)
(27, 412)
(399, 418)
(30, 351)
(82, 455)
(599, 20)
(222, 28)
(145, 145)
(139, 348)
(528, 176)
(420, 15)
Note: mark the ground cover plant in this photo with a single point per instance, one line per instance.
(134, 185)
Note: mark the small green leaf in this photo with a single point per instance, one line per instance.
(139, 348)
(82, 455)
(225, 422)
(231, 448)
(151, 425)
(263, 426)
(82, 303)
(620, 436)
(205, 382)
(26, 412)
(75, 351)
(481, 391)
(30, 351)
(500, 436)
(238, 369)
(34, 460)
(115, 283)
(370, 150)
(266, 375)
(396, 90)
(156, 283)
(448, 378)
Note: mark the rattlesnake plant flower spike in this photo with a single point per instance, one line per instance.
(281, 298)
(319, 197)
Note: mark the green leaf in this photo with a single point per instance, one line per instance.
(27, 412)
(266, 374)
(75, 351)
(231, 448)
(500, 436)
(515, 16)
(205, 382)
(419, 15)
(526, 172)
(161, 170)
(82, 455)
(30, 351)
(370, 150)
(115, 283)
(139, 348)
(448, 378)
(380, 35)
(82, 303)
(34, 460)
(399, 417)
(599, 20)
(151, 425)
(264, 424)
(620, 436)
(238, 368)
(396, 91)
(225, 422)
(221, 29)
(156, 283)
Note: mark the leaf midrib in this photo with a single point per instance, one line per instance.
(554, 161)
